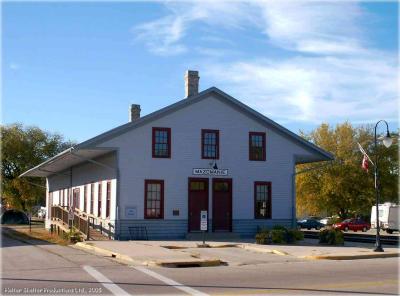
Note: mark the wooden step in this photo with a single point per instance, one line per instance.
(96, 235)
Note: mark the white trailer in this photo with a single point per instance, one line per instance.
(388, 217)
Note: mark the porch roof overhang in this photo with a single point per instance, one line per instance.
(65, 160)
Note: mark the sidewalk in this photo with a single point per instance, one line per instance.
(146, 253)
(186, 253)
(308, 249)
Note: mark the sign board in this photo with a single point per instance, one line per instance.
(211, 172)
(203, 220)
(130, 212)
(70, 212)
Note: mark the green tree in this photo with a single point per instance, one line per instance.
(343, 187)
(22, 149)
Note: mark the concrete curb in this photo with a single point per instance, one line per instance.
(200, 245)
(225, 246)
(165, 263)
(263, 250)
(352, 257)
(196, 262)
(105, 252)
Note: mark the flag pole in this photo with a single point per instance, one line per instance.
(365, 153)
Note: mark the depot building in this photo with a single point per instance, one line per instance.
(207, 152)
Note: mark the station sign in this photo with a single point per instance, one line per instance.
(210, 172)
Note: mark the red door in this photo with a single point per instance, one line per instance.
(198, 201)
(222, 204)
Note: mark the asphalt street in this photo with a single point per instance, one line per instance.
(48, 269)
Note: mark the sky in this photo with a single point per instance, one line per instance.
(75, 68)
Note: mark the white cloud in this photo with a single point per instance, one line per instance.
(165, 35)
(307, 26)
(332, 72)
(310, 26)
(161, 36)
(313, 89)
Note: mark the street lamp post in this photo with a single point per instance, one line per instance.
(387, 141)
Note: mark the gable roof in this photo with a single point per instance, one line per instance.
(320, 154)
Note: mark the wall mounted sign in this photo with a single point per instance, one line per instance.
(211, 172)
(130, 212)
(203, 220)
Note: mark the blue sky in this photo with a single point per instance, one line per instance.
(74, 68)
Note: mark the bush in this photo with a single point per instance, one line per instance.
(289, 236)
(334, 220)
(278, 235)
(263, 237)
(331, 236)
(294, 235)
(74, 236)
(279, 227)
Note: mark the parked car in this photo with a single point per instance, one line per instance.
(326, 221)
(354, 224)
(310, 223)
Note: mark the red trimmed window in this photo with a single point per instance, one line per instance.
(154, 199)
(99, 188)
(85, 198)
(209, 144)
(91, 210)
(262, 200)
(257, 146)
(108, 199)
(161, 146)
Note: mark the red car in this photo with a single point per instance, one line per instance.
(353, 224)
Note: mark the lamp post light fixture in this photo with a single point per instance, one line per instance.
(387, 141)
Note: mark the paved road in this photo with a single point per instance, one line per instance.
(64, 270)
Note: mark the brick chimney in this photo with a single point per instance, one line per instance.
(134, 113)
(191, 83)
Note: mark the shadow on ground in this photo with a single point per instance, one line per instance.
(12, 238)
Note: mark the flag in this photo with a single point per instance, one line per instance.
(364, 163)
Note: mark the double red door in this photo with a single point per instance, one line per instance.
(221, 204)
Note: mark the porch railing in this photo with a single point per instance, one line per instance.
(81, 221)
